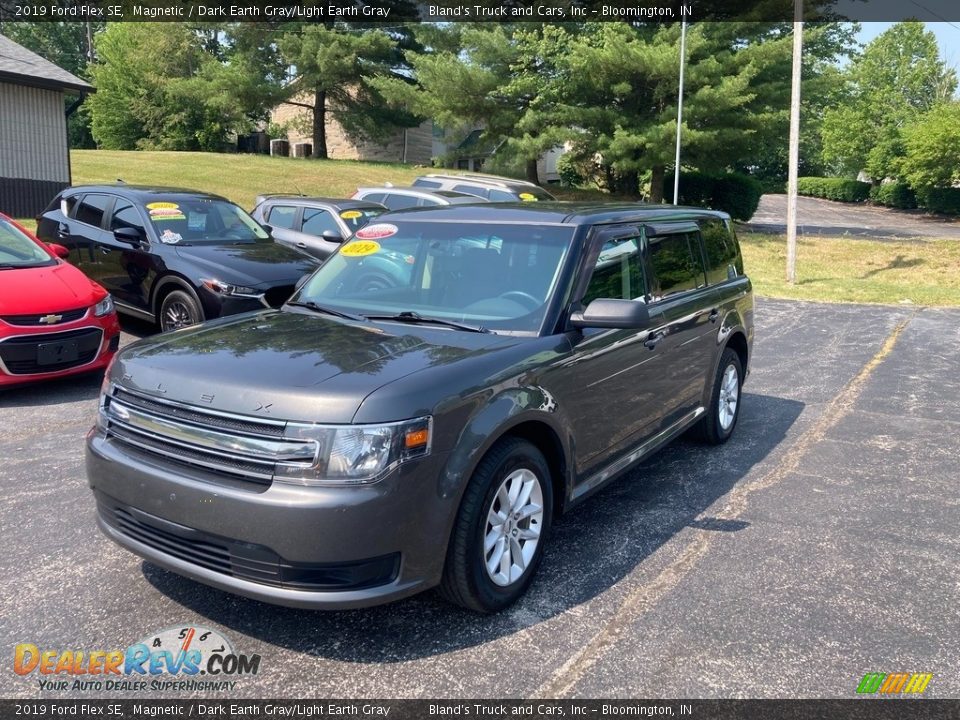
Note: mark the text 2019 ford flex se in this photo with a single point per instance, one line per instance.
(367, 441)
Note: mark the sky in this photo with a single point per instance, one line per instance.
(948, 37)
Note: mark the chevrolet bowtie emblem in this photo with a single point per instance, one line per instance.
(51, 319)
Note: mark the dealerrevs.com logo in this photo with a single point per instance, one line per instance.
(185, 658)
(894, 683)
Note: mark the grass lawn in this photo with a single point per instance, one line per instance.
(861, 271)
(829, 269)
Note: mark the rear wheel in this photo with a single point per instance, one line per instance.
(499, 534)
(178, 310)
(717, 425)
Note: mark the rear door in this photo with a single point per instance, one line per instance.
(678, 290)
(85, 233)
(284, 219)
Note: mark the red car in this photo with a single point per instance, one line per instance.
(54, 321)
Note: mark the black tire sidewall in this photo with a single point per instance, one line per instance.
(727, 358)
(492, 596)
(182, 296)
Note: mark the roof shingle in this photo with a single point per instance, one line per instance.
(22, 67)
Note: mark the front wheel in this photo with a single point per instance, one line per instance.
(179, 310)
(718, 424)
(501, 528)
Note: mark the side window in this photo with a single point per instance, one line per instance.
(676, 263)
(126, 215)
(420, 182)
(472, 190)
(91, 209)
(720, 250)
(396, 202)
(501, 196)
(373, 197)
(618, 273)
(316, 222)
(282, 216)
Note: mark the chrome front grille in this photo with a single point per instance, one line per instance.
(238, 447)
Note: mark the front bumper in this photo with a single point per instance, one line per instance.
(351, 546)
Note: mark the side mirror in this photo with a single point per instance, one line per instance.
(59, 250)
(613, 313)
(331, 236)
(128, 235)
(267, 227)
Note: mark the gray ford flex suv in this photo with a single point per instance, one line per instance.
(365, 441)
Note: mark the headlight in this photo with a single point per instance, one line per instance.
(355, 454)
(222, 288)
(104, 307)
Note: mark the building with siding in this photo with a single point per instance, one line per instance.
(34, 152)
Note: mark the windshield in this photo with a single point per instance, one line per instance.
(19, 251)
(190, 221)
(494, 276)
(357, 217)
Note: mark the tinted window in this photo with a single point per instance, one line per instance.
(357, 217)
(397, 202)
(676, 263)
(91, 209)
(374, 197)
(471, 190)
(188, 220)
(618, 273)
(316, 222)
(282, 216)
(502, 196)
(126, 216)
(720, 250)
(427, 183)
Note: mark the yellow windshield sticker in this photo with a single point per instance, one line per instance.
(527, 197)
(162, 206)
(351, 214)
(360, 248)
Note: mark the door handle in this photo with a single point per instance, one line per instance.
(301, 245)
(651, 342)
(714, 315)
(63, 232)
(104, 250)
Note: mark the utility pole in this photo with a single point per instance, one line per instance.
(89, 42)
(683, 61)
(794, 142)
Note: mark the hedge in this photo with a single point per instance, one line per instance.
(939, 200)
(834, 188)
(895, 194)
(733, 193)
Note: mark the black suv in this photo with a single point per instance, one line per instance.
(174, 256)
(358, 445)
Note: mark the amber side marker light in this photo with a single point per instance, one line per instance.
(416, 438)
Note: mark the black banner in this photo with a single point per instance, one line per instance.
(395, 11)
(855, 709)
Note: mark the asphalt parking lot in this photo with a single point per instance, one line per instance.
(819, 544)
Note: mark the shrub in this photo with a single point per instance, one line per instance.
(569, 170)
(895, 195)
(834, 188)
(734, 193)
(939, 200)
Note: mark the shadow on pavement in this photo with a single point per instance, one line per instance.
(591, 549)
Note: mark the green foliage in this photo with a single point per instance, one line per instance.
(939, 200)
(834, 188)
(894, 194)
(571, 175)
(734, 193)
(166, 86)
(933, 148)
(899, 75)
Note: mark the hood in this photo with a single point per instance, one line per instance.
(260, 265)
(31, 291)
(287, 364)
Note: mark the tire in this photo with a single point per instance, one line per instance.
(178, 309)
(466, 578)
(720, 420)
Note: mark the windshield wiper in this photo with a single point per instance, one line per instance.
(311, 305)
(416, 319)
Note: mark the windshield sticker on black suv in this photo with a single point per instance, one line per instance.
(376, 232)
(360, 249)
(169, 237)
(527, 197)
